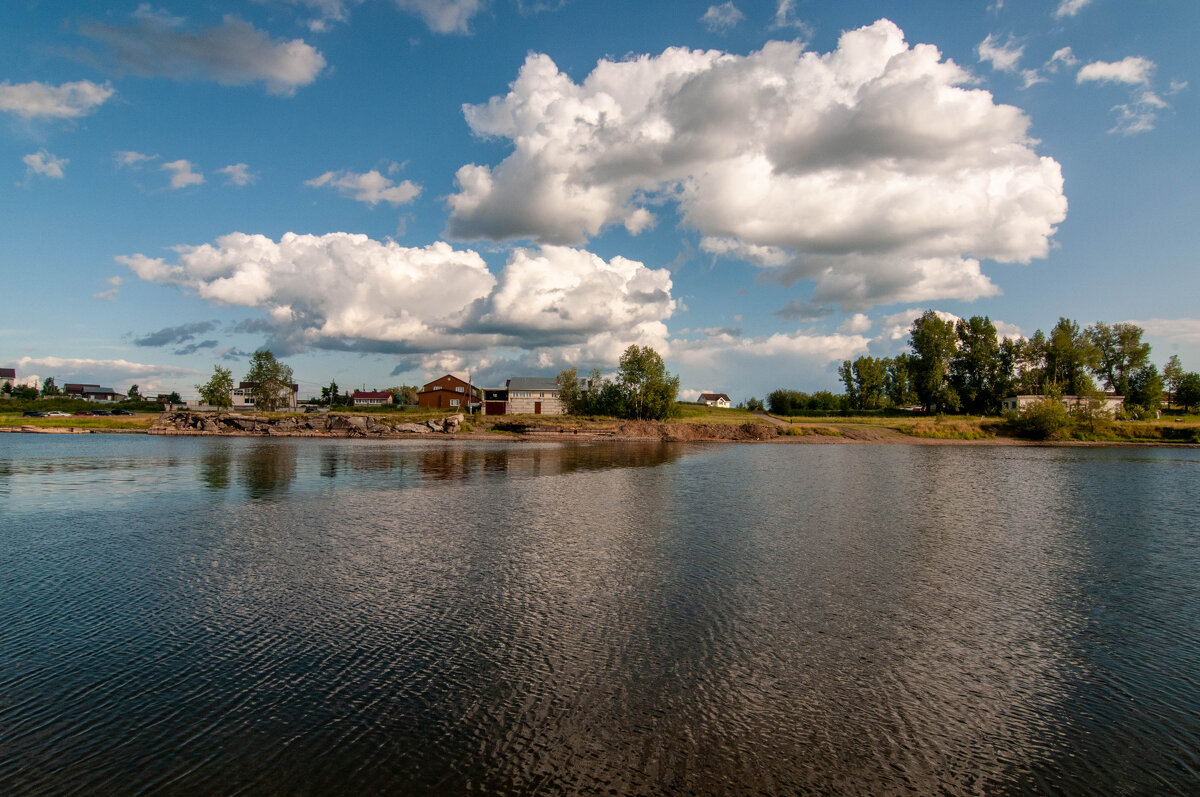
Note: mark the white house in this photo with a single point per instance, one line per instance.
(242, 396)
(1113, 403)
(533, 395)
(715, 399)
(371, 398)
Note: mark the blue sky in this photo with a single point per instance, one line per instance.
(383, 191)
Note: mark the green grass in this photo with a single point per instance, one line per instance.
(702, 413)
(141, 421)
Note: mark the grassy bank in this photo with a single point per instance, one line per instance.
(137, 422)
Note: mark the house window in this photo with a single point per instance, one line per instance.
(453, 402)
(458, 390)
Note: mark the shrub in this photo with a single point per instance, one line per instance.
(1044, 420)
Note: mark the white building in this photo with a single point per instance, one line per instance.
(1113, 404)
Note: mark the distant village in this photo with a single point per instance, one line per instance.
(523, 395)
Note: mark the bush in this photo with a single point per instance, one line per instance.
(1044, 420)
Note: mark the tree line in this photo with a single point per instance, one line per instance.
(964, 366)
(642, 389)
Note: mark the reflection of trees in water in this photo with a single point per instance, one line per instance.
(215, 469)
(267, 468)
(454, 463)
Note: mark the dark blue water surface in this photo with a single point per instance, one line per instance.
(189, 615)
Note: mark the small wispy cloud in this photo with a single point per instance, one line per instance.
(1069, 8)
(182, 175)
(238, 174)
(719, 19)
(1003, 57)
(371, 187)
(44, 164)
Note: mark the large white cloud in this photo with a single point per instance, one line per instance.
(232, 53)
(347, 291)
(875, 168)
(67, 101)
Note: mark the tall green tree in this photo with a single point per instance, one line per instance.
(49, 388)
(897, 382)
(975, 364)
(933, 342)
(1145, 388)
(272, 381)
(868, 375)
(218, 390)
(1187, 394)
(1119, 353)
(134, 393)
(648, 388)
(1172, 373)
(1070, 358)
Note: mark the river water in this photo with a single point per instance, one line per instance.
(192, 615)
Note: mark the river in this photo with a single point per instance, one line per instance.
(241, 615)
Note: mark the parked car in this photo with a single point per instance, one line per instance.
(121, 412)
(33, 414)
(101, 412)
(85, 412)
(58, 414)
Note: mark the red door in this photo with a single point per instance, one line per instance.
(537, 408)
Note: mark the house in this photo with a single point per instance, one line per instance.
(447, 392)
(714, 399)
(76, 389)
(101, 394)
(495, 400)
(533, 395)
(242, 396)
(1113, 403)
(8, 376)
(371, 398)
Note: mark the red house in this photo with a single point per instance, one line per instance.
(447, 392)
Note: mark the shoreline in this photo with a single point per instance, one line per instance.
(345, 426)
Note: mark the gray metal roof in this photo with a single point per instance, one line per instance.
(533, 383)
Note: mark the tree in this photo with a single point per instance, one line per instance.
(868, 375)
(133, 394)
(404, 394)
(1187, 395)
(49, 388)
(1145, 388)
(1070, 356)
(1172, 373)
(174, 398)
(933, 342)
(974, 365)
(7, 389)
(217, 391)
(649, 391)
(754, 405)
(271, 380)
(1119, 352)
(897, 383)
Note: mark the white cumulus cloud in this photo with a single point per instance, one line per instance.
(234, 53)
(371, 187)
(877, 169)
(66, 101)
(344, 291)
(45, 164)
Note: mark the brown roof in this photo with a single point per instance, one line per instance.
(372, 394)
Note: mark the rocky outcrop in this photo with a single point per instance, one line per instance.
(317, 425)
